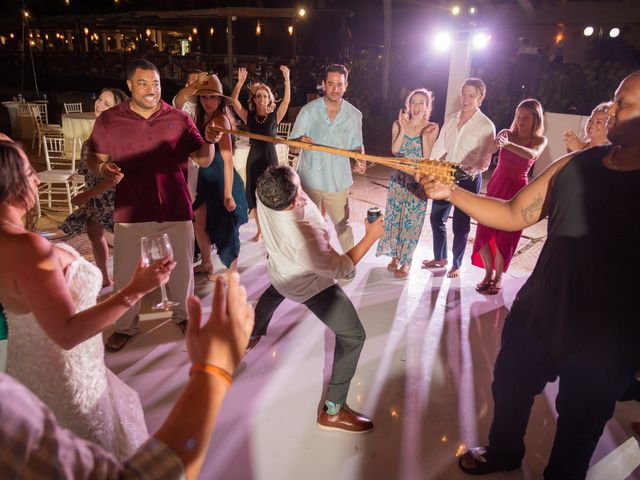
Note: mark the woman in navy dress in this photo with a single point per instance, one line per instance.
(219, 207)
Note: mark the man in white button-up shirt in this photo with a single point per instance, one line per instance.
(466, 138)
(303, 267)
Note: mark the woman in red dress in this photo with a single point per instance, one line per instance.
(519, 147)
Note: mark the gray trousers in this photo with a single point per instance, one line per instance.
(335, 310)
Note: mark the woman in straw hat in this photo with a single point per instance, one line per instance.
(220, 207)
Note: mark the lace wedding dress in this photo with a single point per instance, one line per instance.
(84, 394)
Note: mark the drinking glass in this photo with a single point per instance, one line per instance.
(152, 249)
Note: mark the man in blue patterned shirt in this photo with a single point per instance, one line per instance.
(326, 178)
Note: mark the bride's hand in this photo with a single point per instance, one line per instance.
(150, 277)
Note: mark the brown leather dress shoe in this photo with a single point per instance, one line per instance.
(346, 420)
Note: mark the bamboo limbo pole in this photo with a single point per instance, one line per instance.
(442, 171)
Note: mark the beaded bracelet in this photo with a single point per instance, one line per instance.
(211, 370)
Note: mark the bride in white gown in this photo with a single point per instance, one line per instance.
(55, 343)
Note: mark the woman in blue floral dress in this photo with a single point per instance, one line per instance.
(95, 214)
(412, 136)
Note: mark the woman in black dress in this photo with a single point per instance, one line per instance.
(262, 118)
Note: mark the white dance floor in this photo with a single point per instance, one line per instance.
(424, 376)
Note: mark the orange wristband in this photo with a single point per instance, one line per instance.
(211, 370)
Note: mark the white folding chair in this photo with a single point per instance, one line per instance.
(58, 184)
(283, 129)
(42, 128)
(73, 107)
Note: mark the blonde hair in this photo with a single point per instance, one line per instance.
(602, 108)
(535, 107)
(254, 88)
(420, 91)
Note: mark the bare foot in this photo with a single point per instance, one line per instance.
(257, 237)
(203, 268)
(453, 273)
(393, 265)
(435, 263)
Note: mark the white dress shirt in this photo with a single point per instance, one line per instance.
(302, 262)
(471, 146)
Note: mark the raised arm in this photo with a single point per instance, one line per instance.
(525, 209)
(429, 137)
(40, 279)
(284, 105)
(539, 144)
(188, 90)
(219, 343)
(235, 95)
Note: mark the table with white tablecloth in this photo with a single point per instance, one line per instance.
(242, 152)
(78, 124)
(21, 125)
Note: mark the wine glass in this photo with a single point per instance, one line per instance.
(152, 249)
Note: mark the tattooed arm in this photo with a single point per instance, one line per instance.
(528, 207)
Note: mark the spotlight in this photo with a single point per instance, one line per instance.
(455, 10)
(480, 40)
(614, 32)
(588, 31)
(442, 41)
(473, 10)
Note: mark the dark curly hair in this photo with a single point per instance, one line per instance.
(277, 187)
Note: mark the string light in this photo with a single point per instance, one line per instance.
(258, 29)
(290, 29)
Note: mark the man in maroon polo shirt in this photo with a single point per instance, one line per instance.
(150, 142)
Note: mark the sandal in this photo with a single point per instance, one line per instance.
(402, 271)
(479, 461)
(393, 265)
(116, 341)
(493, 289)
(484, 286)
